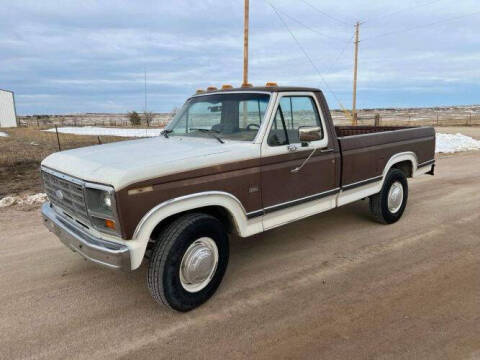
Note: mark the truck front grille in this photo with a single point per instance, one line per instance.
(67, 194)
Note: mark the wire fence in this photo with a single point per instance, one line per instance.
(411, 118)
(104, 120)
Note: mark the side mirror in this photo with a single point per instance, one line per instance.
(307, 134)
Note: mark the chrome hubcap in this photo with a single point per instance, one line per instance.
(395, 197)
(198, 264)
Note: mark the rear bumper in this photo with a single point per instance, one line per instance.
(105, 253)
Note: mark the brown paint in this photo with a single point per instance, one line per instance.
(365, 151)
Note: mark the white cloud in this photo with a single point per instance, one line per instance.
(71, 56)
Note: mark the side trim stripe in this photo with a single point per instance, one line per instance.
(426, 163)
(287, 204)
(361, 183)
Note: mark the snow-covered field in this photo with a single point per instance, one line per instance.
(2, 134)
(451, 143)
(101, 131)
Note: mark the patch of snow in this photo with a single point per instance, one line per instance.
(2, 134)
(451, 143)
(7, 201)
(101, 131)
(35, 199)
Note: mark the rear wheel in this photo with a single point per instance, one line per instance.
(388, 205)
(188, 262)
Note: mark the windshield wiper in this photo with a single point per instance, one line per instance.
(210, 132)
(165, 132)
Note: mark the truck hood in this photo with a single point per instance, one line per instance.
(126, 162)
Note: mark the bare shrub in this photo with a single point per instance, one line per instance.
(134, 118)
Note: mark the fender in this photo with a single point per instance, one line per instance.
(142, 233)
(374, 186)
(395, 159)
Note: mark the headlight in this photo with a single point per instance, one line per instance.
(101, 208)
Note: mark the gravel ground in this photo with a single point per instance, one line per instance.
(333, 286)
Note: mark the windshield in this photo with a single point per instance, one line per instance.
(235, 116)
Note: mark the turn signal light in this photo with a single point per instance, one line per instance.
(227, 87)
(271, 84)
(211, 88)
(110, 224)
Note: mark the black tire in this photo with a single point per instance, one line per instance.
(379, 202)
(163, 279)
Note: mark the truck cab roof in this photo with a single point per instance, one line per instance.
(271, 89)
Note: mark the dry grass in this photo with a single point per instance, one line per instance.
(23, 150)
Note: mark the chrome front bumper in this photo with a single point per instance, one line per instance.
(103, 252)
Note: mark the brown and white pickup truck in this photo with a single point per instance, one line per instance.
(239, 161)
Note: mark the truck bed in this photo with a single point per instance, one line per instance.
(343, 131)
(367, 149)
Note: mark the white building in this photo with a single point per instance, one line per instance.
(8, 115)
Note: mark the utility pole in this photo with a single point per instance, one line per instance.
(355, 70)
(245, 44)
(245, 60)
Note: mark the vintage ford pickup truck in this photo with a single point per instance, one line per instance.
(235, 160)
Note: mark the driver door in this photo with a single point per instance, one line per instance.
(288, 195)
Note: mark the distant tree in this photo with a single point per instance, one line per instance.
(134, 118)
(148, 116)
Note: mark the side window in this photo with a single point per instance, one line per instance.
(278, 133)
(292, 113)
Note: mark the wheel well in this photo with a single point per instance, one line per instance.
(217, 211)
(405, 166)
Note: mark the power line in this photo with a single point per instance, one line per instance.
(326, 14)
(306, 26)
(305, 53)
(401, 10)
(342, 51)
(422, 26)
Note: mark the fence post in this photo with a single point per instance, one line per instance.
(58, 139)
(99, 141)
(377, 119)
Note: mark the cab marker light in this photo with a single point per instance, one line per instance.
(110, 224)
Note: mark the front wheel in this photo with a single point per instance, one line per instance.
(388, 205)
(188, 261)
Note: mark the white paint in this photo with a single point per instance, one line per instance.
(2, 134)
(294, 213)
(123, 163)
(162, 211)
(8, 117)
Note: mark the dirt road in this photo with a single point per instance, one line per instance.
(333, 286)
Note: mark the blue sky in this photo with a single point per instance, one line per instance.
(90, 56)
